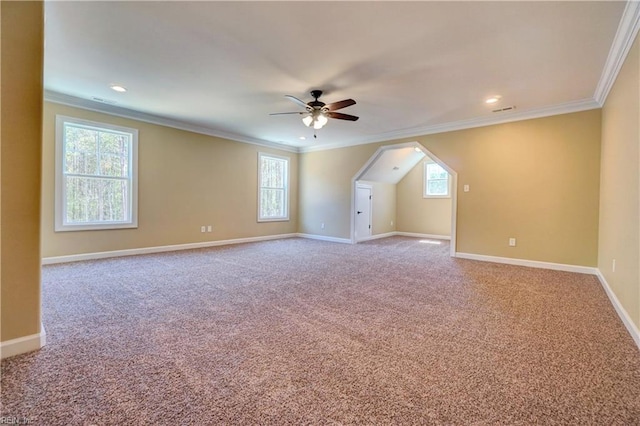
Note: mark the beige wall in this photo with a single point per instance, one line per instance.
(383, 207)
(417, 214)
(620, 183)
(325, 189)
(186, 180)
(22, 37)
(535, 180)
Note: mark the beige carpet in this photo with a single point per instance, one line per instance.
(296, 331)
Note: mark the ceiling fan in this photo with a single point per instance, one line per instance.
(317, 113)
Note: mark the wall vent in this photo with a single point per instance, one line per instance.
(104, 101)
(509, 108)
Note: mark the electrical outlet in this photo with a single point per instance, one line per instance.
(391, 223)
(512, 242)
(465, 188)
(322, 225)
(203, 229)
(209, 228)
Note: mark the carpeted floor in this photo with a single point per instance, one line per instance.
(295, 331)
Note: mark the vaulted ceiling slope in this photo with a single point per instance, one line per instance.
(413, 67)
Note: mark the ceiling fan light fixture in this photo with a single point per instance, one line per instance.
(320, 121)
(316, 119)
(307, 120)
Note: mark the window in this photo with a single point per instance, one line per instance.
(436, 181)
(96, 175)
(273, 191)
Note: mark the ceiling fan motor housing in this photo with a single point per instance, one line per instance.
(316, 104)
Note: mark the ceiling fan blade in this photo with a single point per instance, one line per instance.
(339, 105)
(341, 116)
(282, 113)
(297, 101)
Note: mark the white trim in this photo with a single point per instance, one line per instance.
(622, 42)
(497, 118)
(325, 238)
(60, 224)
(159, 249)
(453, 175)
(89, 105)
(24, 344)
(377, 236)
(425, 181)
(423, 236)
(37, 341)
(529, 263)
(287, 185)
(622, 313)
(454, 213)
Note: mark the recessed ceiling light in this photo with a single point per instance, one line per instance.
(493, 99)
(118, 88)
(302, 138)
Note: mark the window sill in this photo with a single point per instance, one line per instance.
(280, 219)
(101, 227)
(436, 196)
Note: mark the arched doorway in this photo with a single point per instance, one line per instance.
(380, 156)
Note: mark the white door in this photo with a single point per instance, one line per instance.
(363, 212)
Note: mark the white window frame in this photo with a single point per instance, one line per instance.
(60, 189)
(286, 188)
(425, 183)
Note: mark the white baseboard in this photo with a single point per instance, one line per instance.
(24, 344)
(36, 341)
(159, 249)
(377, 236)
(189, 246)
(529, 263)
(622, 313)
(325, 238)
(406, 234)
(424, 236)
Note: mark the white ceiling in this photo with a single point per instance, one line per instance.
(412, 67)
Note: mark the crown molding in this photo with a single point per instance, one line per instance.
(622, 42)
(501, 118)
(60, 98)
(506, 117)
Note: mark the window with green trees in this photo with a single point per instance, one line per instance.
(96, 170)
(436, 181)
(273, 191)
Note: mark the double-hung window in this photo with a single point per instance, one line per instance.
(273, 188)
(436, 181)
(96, 175)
